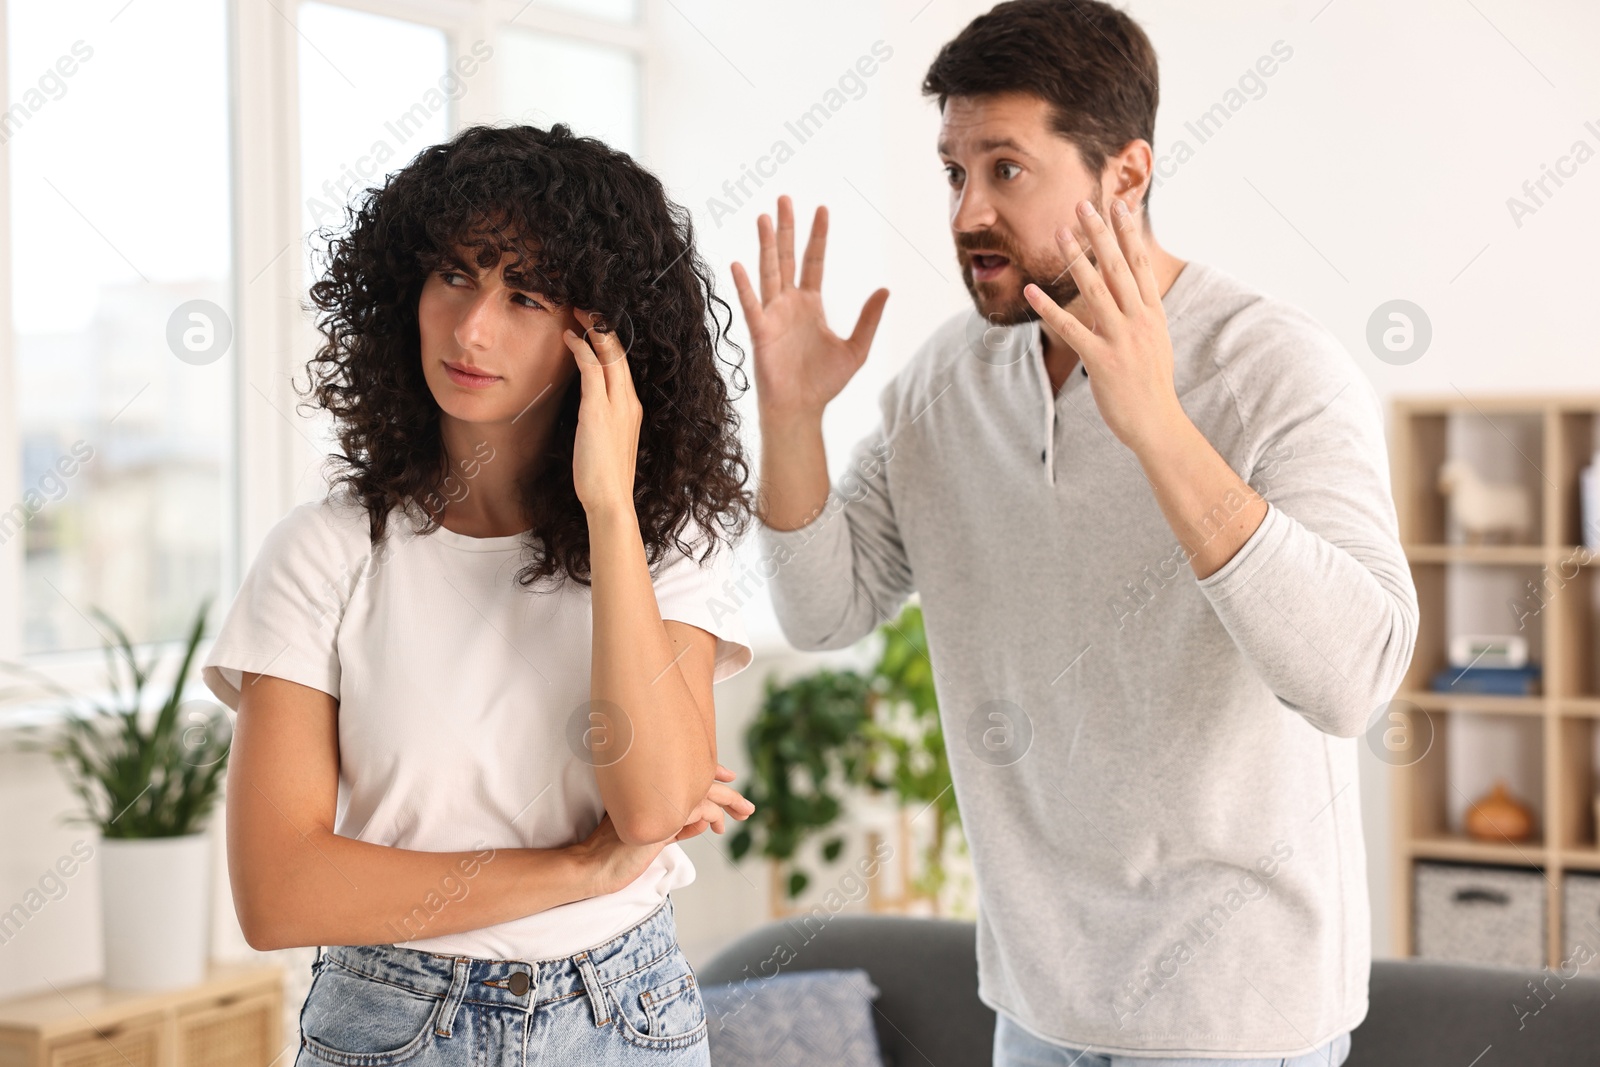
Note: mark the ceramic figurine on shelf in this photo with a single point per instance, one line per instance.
(1498, 817)
(1485, 509)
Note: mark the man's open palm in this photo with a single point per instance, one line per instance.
(800, 364)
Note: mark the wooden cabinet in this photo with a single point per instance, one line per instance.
(232, 1019)
(1548, 590)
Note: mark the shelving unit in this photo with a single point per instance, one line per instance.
(1544, 442)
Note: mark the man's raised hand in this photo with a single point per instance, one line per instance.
(800, 364)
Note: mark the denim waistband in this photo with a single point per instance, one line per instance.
(475, 980)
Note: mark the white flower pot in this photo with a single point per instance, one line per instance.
(155, 896)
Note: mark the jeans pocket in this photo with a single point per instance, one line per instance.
(659, 1006)
(354, 1021)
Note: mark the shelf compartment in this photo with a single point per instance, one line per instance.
(1481, 914)
(1439, 792)
(1504, 445)
(1459, 599)
(1574, 451)
(1573, 593)
(1576, 782)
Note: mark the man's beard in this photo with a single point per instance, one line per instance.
(1013, 309)
(1054, 278)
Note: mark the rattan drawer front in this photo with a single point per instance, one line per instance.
(133, 1044)
(243, 1033)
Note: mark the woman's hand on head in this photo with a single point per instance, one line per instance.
(606, 451)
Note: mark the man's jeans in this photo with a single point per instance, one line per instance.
(1016, 1047)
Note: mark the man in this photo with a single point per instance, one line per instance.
(1146, 510)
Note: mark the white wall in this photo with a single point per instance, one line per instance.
(1376, 165)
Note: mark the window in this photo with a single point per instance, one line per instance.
(370, 100)
(616, 10)
(120, 274)
(593, 88)
(164, 197)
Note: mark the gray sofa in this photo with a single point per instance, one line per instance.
(1422, 1014)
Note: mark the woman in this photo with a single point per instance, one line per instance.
(467, 777)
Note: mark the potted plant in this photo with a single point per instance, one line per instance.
(806, 742)
(910, 742)
(150, 792)
(825, 733)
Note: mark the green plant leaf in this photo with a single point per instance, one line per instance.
(134, 783)
(820, 736)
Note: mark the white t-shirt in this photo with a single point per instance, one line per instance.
(457, 692)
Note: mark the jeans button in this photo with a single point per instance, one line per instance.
(520, 983)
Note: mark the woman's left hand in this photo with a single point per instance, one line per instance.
(719, 802)
(606, 451)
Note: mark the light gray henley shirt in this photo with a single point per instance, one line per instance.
(1156, 774)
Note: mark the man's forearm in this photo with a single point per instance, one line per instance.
(794, 471)
(1210, 508)
(1330, 628)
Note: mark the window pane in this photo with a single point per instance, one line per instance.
(615, 10)
(373, 93)
(594, 89)
(120, 214)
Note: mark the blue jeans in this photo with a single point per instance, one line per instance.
(1016, 1047)
(633, 999)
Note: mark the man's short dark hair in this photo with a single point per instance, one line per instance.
(1090, 62)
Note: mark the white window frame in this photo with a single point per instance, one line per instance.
(273, 340)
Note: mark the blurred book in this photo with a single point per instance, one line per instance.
(1498, 681)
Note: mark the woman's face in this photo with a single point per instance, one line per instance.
(489, 350)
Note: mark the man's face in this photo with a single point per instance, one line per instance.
(1013, 183)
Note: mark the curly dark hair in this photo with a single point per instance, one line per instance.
(588, 227)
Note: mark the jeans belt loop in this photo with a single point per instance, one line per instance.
(452, 999)
(598, 1000)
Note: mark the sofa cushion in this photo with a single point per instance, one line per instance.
(927, 969)
(793, 1020)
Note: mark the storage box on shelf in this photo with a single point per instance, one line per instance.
(1473, 914)
(232, 1019)
(1542, 586)
(1581, 914)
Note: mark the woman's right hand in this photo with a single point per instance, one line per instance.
(720, 802)
(613, 863)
